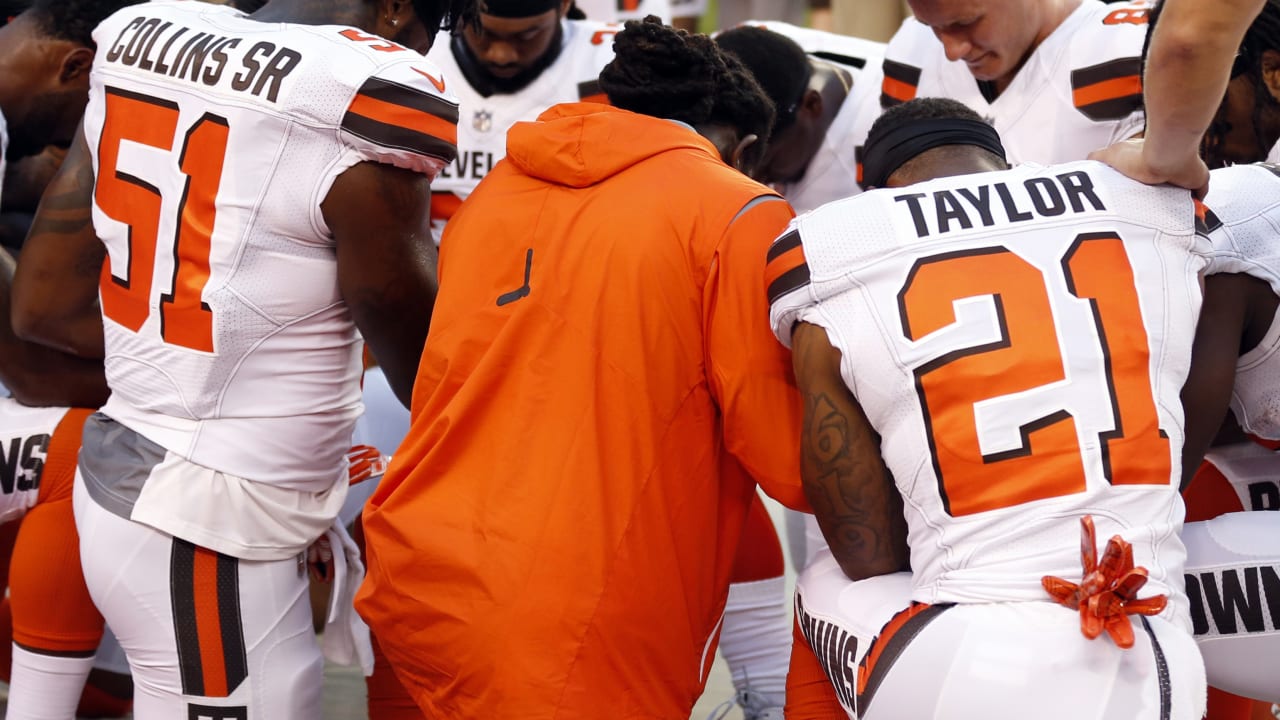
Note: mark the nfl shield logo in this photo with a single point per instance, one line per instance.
(483, 121)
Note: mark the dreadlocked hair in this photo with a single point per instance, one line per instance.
(73, 20)
(447, 15)
(668, 73)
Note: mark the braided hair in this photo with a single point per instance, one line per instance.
(669, 73)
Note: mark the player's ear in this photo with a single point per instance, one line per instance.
(564, 7)
(394, 14)
(75, 66)
(811, 104)
(735, 155)
(1271, 72)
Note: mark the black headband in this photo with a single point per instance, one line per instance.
(889, 150)
(517, 8)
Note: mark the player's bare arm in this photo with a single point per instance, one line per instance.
(386, 263)
(1236, 313)
(55, 290)
(1188, 65)
(38, 375)
(845, 480)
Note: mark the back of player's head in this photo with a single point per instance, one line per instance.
(73, 20)
(776, 61)
(668, 73)
(950, 133)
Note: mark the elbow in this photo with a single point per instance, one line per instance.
(50, 331)
(856, 568)
(30, 324)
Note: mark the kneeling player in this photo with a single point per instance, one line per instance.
(1022, 337)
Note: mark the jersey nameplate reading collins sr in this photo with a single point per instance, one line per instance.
(168, 49)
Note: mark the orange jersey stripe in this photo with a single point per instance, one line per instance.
(783, 264)
(897, 89)
(1107, 90)
(209, 623)
(405, 117)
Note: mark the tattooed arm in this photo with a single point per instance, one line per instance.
(386, 263)
(845, 480)
(55, 289)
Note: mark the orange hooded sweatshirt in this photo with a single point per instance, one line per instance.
(598, 392)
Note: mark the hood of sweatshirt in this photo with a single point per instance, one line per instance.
(580, 144)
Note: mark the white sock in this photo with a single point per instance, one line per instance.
(756, 639)
(46, 687)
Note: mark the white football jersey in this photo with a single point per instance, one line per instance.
(586, 47)
(1244, 223)
(1019, 340)
(1080, 90)
(25, 433)
(833, 172)
(215, 138)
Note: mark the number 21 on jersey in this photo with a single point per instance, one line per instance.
(1050, 462)
(126, 287)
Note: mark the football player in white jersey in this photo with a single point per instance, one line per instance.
(1057, 78)
(1233, 560)
(249, 196)
(1022, 339)
(821, 84)
(522, 57)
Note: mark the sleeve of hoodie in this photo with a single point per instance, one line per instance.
(750, 373)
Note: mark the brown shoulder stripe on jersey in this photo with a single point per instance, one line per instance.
(835, 57)
(889, 644)
(590, 91)
(1206, 220)
(205, 589)
(398, 116)
(900, 83)
(785, 266)
(1109, 91)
